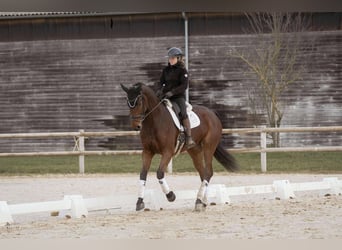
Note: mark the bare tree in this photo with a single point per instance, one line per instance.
(274, 60)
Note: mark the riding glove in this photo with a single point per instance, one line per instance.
(159, 93)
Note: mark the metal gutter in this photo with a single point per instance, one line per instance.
(186, 36)
(35, 15)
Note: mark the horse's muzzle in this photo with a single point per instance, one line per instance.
(136, 125)
(137, 128)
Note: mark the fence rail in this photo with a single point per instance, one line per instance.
(282, 130)
(79, 149)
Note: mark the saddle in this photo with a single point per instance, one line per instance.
(174, 109)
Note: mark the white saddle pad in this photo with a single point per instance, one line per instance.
(193, 117)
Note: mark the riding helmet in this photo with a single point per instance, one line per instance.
(174, 51)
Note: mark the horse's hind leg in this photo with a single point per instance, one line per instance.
(201, 200)
(208, 153)
(165, 159)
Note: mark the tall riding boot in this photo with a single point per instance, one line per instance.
(188, 140)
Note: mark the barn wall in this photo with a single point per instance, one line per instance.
(67, 85)
(223, 83)
(70, 84)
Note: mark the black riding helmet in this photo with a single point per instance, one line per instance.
(174, 52)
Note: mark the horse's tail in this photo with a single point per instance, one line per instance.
(225, 158)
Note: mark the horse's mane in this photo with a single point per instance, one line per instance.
(145, 89)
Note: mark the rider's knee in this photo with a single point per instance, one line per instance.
(183, 116)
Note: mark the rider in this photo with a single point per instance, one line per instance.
(174, 81)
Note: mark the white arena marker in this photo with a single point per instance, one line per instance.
(283, 189)
(335, 185)
(221, 193)
(5, 214)
(78, 207)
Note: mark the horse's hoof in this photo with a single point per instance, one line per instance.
(200, 206)
(140, 204)
(171, 196)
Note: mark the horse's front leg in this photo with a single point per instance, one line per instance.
(165, 159)
(202, 196)
(146, 159)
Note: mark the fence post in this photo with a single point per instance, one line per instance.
(263, 146)
(81, 150)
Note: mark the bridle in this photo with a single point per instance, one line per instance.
(132, 104)
(142, 116)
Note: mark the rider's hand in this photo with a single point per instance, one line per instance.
(159, 93)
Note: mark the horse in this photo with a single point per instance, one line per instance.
(159, 135)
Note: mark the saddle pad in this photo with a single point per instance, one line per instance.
(193, 117)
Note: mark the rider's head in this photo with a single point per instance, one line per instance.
(175, 55)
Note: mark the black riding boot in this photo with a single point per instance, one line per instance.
(188, 140)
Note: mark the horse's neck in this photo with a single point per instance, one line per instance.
(151, 98)
(157, 121)
(157, 109)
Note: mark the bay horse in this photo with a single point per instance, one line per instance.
(159, 136)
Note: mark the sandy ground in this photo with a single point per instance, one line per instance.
(311, 215)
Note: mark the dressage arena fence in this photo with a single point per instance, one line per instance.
(79, 148)
(75, 206)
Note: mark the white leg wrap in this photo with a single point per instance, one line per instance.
(164, 186)
(142, 185)
(202, 192)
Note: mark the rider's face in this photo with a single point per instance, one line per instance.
(172, 60)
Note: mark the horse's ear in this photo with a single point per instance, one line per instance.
(124, 88)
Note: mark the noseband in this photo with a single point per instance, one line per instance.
(140, 117)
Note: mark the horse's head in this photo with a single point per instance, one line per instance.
(135, 104)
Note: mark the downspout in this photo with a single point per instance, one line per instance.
(186, 49)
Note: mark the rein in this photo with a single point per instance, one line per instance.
(145, 115)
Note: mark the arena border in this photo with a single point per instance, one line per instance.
(75, 206)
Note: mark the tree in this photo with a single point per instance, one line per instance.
(274, 59)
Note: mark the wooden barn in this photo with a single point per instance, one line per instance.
(61, 72)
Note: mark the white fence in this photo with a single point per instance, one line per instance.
(79, 149)
(76, 206)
